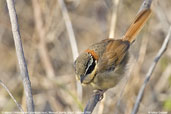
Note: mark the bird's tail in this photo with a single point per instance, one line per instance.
(137, 25)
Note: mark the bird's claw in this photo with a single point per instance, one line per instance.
(100, 93)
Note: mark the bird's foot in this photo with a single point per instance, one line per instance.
(100, 94)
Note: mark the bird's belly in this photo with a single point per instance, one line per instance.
(106, 80)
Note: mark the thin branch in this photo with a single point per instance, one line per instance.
(15, 101)
(72, 40)
(93, 102)
(114, 19)
(20, 55)
(42, 45)
(69, 29)
(145, 5)
(151, 69)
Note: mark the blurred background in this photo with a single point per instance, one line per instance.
(50, 60)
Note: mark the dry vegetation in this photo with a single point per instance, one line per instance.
(52, 75)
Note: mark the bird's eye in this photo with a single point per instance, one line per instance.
(90, 65)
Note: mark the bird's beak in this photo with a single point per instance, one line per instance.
(82, 78)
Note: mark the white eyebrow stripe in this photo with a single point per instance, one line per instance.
(91, 60)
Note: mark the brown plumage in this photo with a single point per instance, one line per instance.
(137, 25)
(104, 63)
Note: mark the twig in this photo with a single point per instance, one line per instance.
(145, 5)
(15, 101)
(20, 55)
(72, 40)
(114, 19)
(69, 29)
(42, 45)
(151, 69)
(92, 102)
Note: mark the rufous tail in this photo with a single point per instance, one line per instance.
(137, 25)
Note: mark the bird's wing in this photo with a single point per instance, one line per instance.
(113, 56)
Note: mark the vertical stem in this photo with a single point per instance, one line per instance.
(20, 55)
(72, 40)
(114, 19)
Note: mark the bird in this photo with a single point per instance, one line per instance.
(103, 64)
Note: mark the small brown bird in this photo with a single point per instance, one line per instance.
(103, 64)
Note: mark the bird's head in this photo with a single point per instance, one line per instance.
(84, 67)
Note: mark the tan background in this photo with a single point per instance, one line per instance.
(91, 23)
